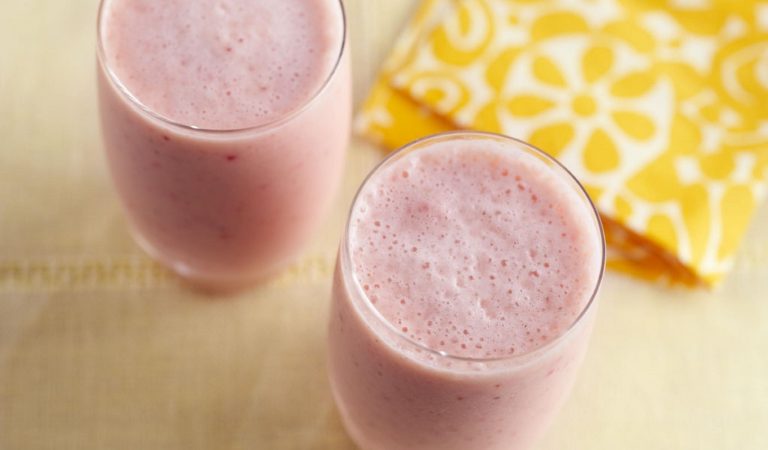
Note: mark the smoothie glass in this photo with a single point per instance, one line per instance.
(396, 393)
(225, 206)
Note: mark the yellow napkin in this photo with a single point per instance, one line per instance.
(659, 107)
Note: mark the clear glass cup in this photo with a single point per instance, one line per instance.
(395, 393)
(225, 207)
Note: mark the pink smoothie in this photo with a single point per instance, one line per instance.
(225, 125)
(455, 325)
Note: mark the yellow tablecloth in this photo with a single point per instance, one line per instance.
(102, 349)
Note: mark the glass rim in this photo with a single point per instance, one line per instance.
(347, 274)
(134, 101)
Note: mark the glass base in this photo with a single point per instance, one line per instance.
(206, 282)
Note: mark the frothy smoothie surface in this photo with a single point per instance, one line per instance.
(222, 64)
(474, 248)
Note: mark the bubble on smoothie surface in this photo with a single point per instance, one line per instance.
(222, 64)
(474, 249)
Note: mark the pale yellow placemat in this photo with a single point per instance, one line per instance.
(100, 348)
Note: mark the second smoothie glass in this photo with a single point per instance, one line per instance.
(394, 392)
(226, 207)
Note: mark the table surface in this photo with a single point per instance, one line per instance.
(102, 349)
